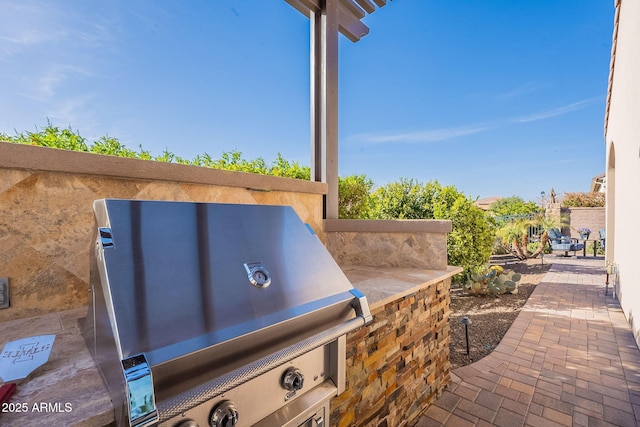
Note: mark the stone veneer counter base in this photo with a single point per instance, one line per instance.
(71, 376)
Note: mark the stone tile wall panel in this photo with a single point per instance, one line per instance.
(398, 249)
(47, 226)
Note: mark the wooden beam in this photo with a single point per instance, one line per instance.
(350, 26)
(353, 7)
(367, 5)
(380, 3)
(305, 6)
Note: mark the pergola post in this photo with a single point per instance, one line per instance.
(329, 18)
(324, 102)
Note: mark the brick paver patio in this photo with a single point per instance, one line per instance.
(569, 359)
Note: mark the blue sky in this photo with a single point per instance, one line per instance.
(500, 97)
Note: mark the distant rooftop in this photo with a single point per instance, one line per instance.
(486, 202)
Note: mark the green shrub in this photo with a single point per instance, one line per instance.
(599, 250)
(469, 244)
(532, 247)
(353, 196)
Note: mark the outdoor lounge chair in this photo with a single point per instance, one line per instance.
(563, 243)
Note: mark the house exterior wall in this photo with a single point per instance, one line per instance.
(622, 137)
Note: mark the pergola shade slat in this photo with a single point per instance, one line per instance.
(353, 7)
(367, 5)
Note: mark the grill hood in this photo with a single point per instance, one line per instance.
(202, 289)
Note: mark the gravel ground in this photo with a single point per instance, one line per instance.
(491, 316)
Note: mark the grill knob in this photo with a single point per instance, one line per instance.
(224, 415)
(292, 379)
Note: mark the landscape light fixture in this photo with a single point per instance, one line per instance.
(466, 322)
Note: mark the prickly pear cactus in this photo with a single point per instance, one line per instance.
(495, 280)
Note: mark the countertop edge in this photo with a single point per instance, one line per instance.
(435, 276)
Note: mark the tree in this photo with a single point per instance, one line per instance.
(514, 237)
(513, 205)
(515, 234)
(546, 223)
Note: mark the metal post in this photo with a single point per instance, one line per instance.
(466, 322)
(324, 102)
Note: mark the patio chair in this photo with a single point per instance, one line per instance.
(603, 236)
(563, 243)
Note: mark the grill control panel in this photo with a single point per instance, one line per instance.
(290, 389)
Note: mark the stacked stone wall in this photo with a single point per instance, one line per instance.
(399, 364)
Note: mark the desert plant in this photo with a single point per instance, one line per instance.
(514, 237)
(546, 223)
(494, 280)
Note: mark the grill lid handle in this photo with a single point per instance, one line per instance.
(141, 402)
(361, 306)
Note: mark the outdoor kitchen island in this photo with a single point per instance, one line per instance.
(403, 302)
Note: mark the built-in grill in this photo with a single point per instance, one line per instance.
(217, 315)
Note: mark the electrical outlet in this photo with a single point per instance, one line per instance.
(4, 292)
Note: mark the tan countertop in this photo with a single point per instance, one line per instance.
(70, 381)
(385, 284)
(68, 388)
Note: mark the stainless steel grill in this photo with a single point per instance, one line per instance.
(217, 314)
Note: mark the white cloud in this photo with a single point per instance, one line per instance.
(31, 24)
(523, 89)
(25, 24)
(50, 80)
(553, 112)
(425, 136)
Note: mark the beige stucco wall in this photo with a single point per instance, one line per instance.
(46, 216)
(591, 218)
(622, 137)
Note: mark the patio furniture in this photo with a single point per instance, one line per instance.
(603, 236)
(563, 243)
